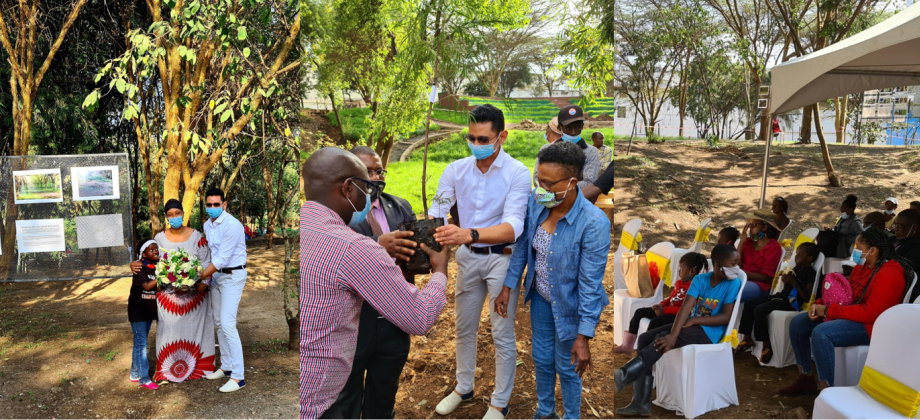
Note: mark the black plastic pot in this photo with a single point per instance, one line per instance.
(424, 234)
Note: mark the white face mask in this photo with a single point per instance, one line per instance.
(889, 211)
(843, 216)
(732, 272)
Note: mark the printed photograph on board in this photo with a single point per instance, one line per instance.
(38, 186)
(95, 183)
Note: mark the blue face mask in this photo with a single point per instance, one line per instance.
(545, 137)
(571, 139)
(858, 257)
(481, 151)
(175, 222)
(358, 216)
(214, 212)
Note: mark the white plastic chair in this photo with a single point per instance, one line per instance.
(779, 322)
(786, 231)
(632, 229)
(625, 306)
(835, 265)
(849, 361)
(694, 380)
(892, 354)
(700, 237)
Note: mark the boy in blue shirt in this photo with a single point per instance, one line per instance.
(703, 319)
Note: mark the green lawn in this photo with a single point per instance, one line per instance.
(603, 106)
(404, 179)
(355, 122)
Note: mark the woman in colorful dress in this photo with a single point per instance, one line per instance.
(185, 324)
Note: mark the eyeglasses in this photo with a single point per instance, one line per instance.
(213, 205)
(479, 140)
(547, 185)
(380, 173)
(369, 187)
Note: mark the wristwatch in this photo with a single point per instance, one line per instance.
(475, 235)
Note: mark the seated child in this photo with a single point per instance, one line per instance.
(142, 311)
(794, 297)
(729, 236)
(703, 319)
(664, 313)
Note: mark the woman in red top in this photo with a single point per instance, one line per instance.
(879, 282)
(760, 254)
(664, 313)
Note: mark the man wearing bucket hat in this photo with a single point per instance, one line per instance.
(760, 253)
(571, 122)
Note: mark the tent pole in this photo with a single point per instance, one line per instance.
(766, 167)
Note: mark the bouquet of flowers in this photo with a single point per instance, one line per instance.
(178, 269)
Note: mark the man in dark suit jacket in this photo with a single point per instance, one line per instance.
(906, 228)
(382, 348)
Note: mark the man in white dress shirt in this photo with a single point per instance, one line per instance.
(491, 190)
(227, 240)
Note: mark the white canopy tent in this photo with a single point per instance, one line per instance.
(884, 56)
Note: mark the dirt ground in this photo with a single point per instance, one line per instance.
(673, 186)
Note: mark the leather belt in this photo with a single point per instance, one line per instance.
(494, 249)
(231, 269)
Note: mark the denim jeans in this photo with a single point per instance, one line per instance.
(751, 290)
(552, 356)
(817, 339)
(140, 367)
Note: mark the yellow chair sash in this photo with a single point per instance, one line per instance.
(801, 240)
(731, 338)
(702, 235)
(664, 267)
(631, 243)
(890, 392)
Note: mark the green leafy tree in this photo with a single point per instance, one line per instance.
(586, 55)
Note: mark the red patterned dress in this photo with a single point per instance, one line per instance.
(185, 324)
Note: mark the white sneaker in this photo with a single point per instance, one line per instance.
(232, 385)
(451, 401)
(495, 414)
(217, 374)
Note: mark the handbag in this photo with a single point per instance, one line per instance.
(828, 242)
(638, 276)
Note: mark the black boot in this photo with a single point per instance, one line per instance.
(641, 404)
(629, 373)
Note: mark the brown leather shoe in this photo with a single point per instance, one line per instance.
(804, 385)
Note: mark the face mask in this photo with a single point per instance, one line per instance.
(481, 151)
(358, 216)
(214, 212)
(843, 216)
(380, 186)
(175, 222)
(858, 257)
(571, 139)
(548, 199)
(889, 211)
(732, 272)
(545, 138)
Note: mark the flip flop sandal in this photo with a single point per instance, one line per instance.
(766, 356)
(743, 347)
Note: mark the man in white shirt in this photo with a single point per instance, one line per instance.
(227, 241)
(491, 190)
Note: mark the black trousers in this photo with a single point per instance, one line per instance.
(755, 312)
(381, 352)
(656, 321)
(688, 336)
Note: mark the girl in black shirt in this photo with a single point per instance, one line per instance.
(142, 311)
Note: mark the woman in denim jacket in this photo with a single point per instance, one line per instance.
(565, 243)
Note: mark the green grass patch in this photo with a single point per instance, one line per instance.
(404, 179)
(356, 128)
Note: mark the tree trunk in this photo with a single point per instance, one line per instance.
(291, 291)
(806, 124)
(338, 119)
(840, 118)
(832, 176)
(387, 148)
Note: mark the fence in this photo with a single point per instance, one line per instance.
(65, 217)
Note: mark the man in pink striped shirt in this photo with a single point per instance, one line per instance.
(340, 269)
